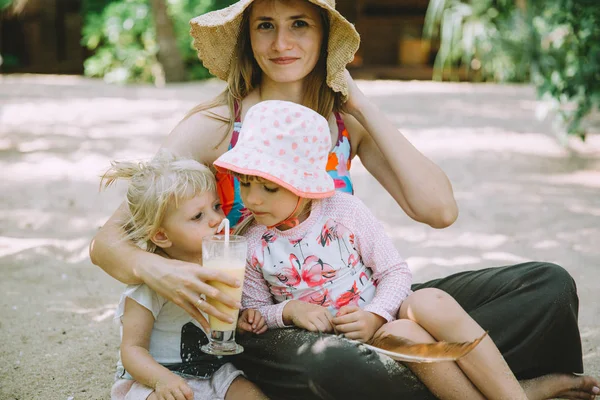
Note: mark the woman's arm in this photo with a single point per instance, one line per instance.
(180, 282)
(137, 328)
(419, 186)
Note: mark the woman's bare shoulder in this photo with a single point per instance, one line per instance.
(200, 135)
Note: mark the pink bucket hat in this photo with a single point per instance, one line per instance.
(285, 143)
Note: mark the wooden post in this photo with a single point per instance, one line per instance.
(168, 54)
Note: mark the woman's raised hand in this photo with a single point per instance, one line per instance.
(355, 96)
(184, 283)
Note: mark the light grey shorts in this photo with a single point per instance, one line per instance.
(213, 388)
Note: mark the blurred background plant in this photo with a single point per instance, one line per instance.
(143, 40)
(553, 43)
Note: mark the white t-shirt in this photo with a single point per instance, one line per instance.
(176, 337)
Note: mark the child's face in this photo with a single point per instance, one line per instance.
(186, 225)
(269, 203)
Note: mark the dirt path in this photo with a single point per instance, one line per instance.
(521, 197)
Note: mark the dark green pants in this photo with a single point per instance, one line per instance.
(530, 311)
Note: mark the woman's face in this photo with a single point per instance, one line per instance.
(286, 38)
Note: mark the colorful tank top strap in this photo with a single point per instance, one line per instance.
(338, 167)
(237, 125)
(228, 187)
(340, 125)
(339, 161)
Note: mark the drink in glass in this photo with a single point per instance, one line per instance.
(227, 254)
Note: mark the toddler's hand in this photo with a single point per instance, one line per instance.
(252, 321)
(356, 323)
(308, 316)
(173, 387)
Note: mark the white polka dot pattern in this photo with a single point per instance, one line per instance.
(285, 143)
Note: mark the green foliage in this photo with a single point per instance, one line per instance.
(181, 12)
(553, 43)
(489, 37)
(568, 65)
(122, 36)
(94, 6)
(124, 43)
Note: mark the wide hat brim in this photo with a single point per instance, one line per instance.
(215, 35)
(255, 162)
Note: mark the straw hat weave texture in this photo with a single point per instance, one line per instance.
(216, 33)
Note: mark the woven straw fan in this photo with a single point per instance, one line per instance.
(405, 350)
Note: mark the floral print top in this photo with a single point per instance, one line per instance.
(340, 255)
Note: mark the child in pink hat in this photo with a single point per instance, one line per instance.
(319, 260)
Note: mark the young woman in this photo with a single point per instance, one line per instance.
(297, 50)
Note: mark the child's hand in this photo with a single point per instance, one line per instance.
(308, 316)
(173, 387)
(357, 324)
(252, 321)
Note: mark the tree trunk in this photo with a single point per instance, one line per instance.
(169, 55)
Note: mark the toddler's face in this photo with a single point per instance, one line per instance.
(186, 225)
(267, 201)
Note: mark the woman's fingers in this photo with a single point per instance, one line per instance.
(204, 306)
(214, 274)
(194, 313)
(201, 287)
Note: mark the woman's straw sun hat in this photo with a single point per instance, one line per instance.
(216, 33)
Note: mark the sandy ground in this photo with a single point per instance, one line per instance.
(522, 196)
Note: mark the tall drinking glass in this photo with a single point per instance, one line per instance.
(228, 256)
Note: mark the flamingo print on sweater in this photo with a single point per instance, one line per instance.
(339, 256)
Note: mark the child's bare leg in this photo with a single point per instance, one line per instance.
(445, 379)
(242, 389)
(445, 319)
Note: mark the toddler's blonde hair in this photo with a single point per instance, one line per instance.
(153, 185)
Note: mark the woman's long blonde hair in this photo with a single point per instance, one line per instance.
(153, 185)
(245, 76)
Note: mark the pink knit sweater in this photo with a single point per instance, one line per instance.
(339, 256)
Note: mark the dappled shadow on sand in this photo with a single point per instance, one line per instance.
(521, 197)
